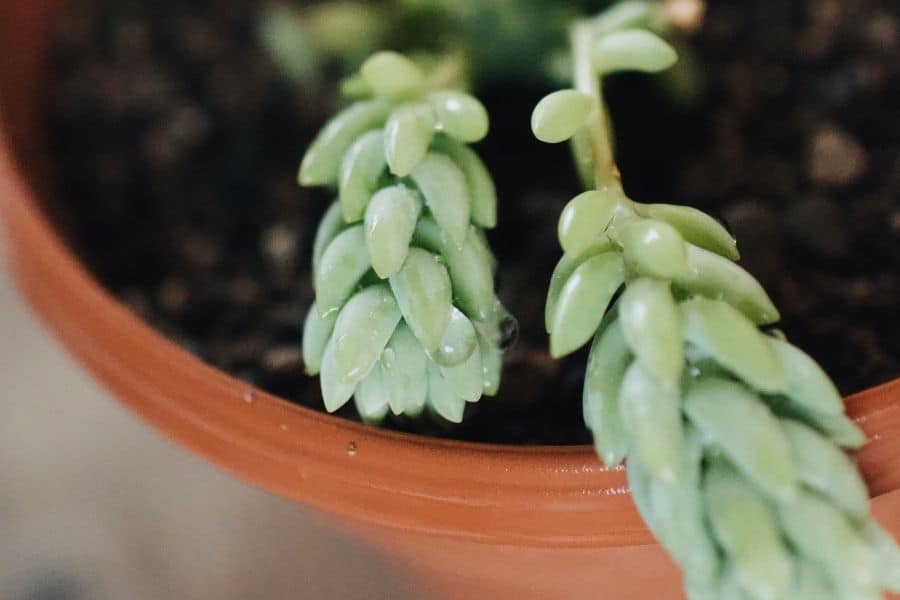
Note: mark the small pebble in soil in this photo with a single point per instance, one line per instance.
(835, 157)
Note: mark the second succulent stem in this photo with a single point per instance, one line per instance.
(587, 81)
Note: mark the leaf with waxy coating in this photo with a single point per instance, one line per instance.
(583, 301)
(343, 264)
(362, 330)
(825, 468)
(564, 269)
(458, 340)
(652, 248)
(469, 266)
(443, 185)
(422, 289)
(888, 554)
(391, 74)
(558, 116)
(746, 431)
(639, 482)
(695, 226)
(748, 532)
(335, 392)
(491, 364)
(633, 50)
(390, 221)
(607, 362)
(680, 509)
(407, 134)
(822, 532)
(322, 162)
(316, 333)
(585, 219)
(807, 383)
(730, 338)
(652, 416)
(441, 397)
(482, 192)
(651, 323)
(710, 275)
(330, 226)
(403, 369)
(460, 115)
(838, 428)
(371, 398)
(466, 378)
(361, 169)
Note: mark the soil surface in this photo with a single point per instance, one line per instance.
(177, 144)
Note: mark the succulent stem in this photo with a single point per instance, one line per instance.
(606, 173)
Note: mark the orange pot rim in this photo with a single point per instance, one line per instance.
(544, 496)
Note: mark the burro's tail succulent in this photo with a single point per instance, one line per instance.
(405, 316)
(733, 438)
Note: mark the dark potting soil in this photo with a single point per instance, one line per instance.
(177, 143)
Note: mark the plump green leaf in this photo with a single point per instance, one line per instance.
(583, 301)
(469, 265)
(627, 14)
(335, 391)
(887, 554)
(361, 169)
(343, 264)
(441, 397)
(316, 333)
(748, 532)
(826, 469)
(460, 115)
(606, 366)
(695, 226)
(481, 186)
(681, 512)
(422, 289)
(322, 161)
(371, 397)
(651, 323)
(390, 221)
(407, 135)
(466, 378)
(393, 75)
(807, 383)
(491, 365)
(639, 482)
(652, 248)
(838, 428)
(710, 275)
(633, 50)
(732, 340)
(746, 431)
(811, 582)
(585, 219)
(330, 226)
(362, 330)
(819, 530)
(403, 371)
(564, 269)
(558, 116)
(652, 416)
(458, 340)
(444, 187)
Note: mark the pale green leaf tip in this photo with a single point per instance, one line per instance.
(558, 116)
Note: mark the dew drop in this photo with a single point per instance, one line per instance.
(351, 449)
(387, 357)
(249, 396)
(509, 332)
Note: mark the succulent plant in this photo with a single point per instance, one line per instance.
(405, 316)
(732, 436)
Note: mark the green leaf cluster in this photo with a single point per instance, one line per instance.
(405, 317)
(733, 437)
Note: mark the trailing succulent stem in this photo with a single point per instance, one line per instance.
(733, 437)
(405, 316)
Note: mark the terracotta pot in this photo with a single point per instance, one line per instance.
(530, 521)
